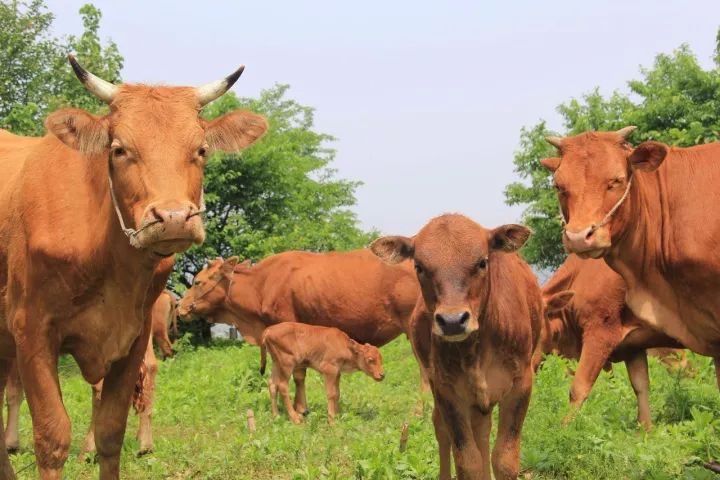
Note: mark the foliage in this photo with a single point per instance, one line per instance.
(201, 432)
(35, 77)
(676, 101)
(277, 195)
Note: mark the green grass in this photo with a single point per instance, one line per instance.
(201, 429)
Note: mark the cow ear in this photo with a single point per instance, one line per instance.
(229, 265)
(79, 130)
(648, 156)
(509, 238)
(393, 249)
(551, 164)
(247, 263)
(559, 301)
(235, 131)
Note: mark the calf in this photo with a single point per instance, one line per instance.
(325, 349)
(474, 328)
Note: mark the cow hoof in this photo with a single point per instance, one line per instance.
(12, 449)
(144, 451)
(306, 413)
(87, 457)
(296, 420)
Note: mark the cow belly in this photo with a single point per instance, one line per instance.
(695, 329)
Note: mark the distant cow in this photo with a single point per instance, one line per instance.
(163, 315)
(354, 291)
(652, 213)
(91, 215)
(587, 319)
(474, 328)
(327, 350)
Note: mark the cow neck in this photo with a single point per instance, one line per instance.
(247, 300)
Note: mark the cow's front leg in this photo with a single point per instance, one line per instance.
(716, 361)
(637, 367)
(111, 419)
(332, 388)
(300, 398)
(468, 459)
(481, 425)
(144, 402)
(15, 396)
(443, 439)
(89, 442)
(6, 471)
(506, 453)
(37, 364)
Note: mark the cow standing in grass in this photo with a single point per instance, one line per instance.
(475, 328)
(91, 216)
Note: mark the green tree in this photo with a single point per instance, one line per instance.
(675, 101)
(278, 195)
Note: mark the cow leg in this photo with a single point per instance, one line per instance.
(716, 361)
(481, 425)
(273, 397)
(443, 439)
(15, 398)
(89, 442)
(332, 388)
(595, 353)
(506, 453)
(468, 459)
(281, 379)
(112, 412)
(145, 407)
(300, 398)
(6, 471)
(37, 365)
(637, 367)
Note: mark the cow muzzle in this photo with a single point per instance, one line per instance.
(169, 227)
(453, 325)
(590, 242)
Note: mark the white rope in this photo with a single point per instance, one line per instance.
(609, 215)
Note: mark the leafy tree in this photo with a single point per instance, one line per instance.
(676, 101)
(279, 194)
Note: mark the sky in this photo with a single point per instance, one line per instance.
(426, 99)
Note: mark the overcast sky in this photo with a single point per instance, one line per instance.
(426, 99)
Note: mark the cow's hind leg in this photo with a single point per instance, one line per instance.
(111, 419)
(506, 453)
(300, 398)
(6, 471)
(89, 442)
(15, 398)
(280, 379)
(716, 361)
(146, 400)
(637, 367)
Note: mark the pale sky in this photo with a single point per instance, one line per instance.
(426, 98)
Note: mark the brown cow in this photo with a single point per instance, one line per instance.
(92, 214)
(325, 349)
(648, 212)
(163, 314)
(597, 328)
(353, 291)
(474, 328)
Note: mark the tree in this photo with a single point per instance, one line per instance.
(35, 77)
(678, 102)
(278, 195)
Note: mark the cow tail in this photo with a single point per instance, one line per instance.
(139, 400)
(263, 356)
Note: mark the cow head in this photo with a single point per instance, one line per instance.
(452, 257)
(592, 178)
(554, 324)
(154, 145)
(368, 359)
(209, 289)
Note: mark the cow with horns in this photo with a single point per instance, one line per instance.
(92, 215)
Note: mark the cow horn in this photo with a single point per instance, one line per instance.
(554, 141)
(210, 91)
(102, 89)
(624, 132)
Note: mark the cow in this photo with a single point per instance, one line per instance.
(647, 211)
(475, 327)
(587, 319)
(353, 291)
(163, 315)
(325, 349)
(92, 215)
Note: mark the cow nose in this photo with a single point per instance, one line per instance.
(452, 323)
(382, 375)
(170, 215)
(580, 241)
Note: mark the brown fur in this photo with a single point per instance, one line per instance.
(328, 350)
(663, 239)
(598, 328)
(463, 267)
(73, 282)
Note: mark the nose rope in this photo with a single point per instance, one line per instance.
(208, 290)
(608, 216)
(131, 233)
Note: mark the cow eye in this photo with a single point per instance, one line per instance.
(202, 151)
(118, 151)
(418, 268)
(482, 264)
(614, 183)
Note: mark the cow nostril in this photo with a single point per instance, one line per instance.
(157, 216)
(439, 319)
(589, 235)
(464, 317)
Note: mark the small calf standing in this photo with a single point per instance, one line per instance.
(474, 328)
(328, 350)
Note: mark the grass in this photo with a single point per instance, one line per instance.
(200, 424)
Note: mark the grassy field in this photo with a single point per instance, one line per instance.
(201, 429)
